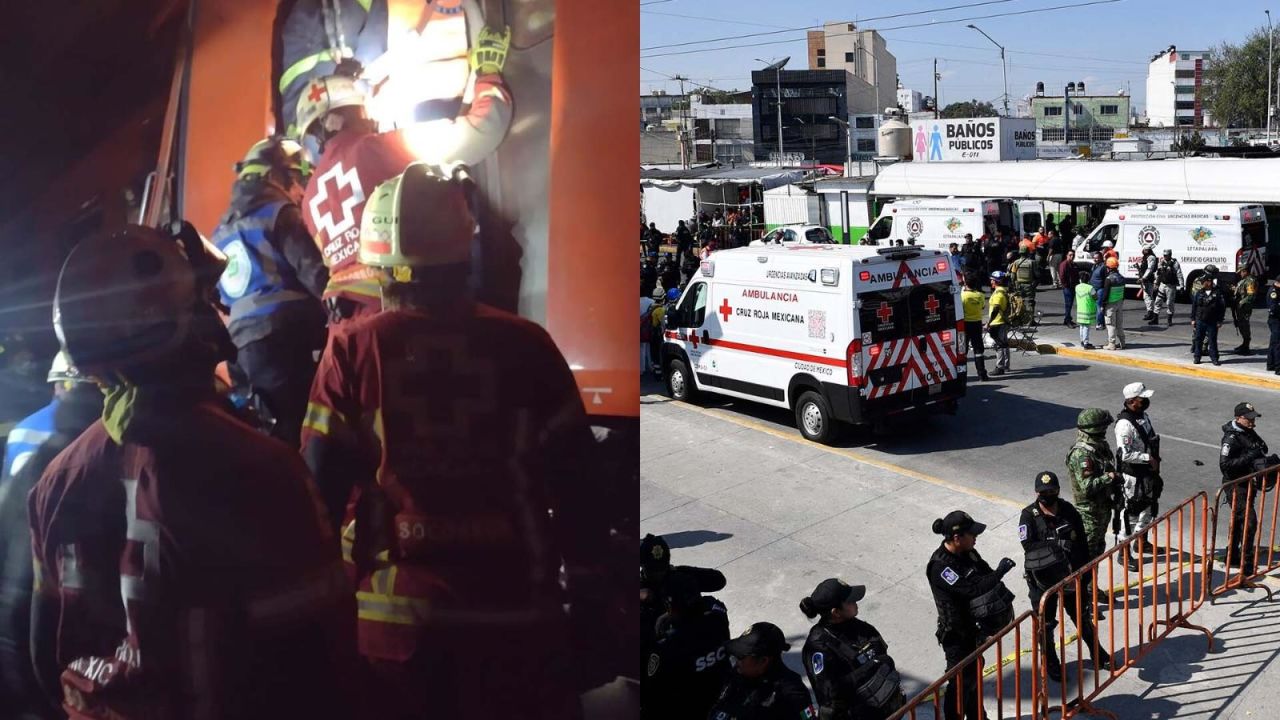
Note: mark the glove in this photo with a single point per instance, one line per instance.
(1005, 566)
(489, 55)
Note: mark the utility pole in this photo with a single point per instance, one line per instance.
(935, 88)
(848, 145)
(776, 67)
(1270, 49)
(683, 135)
(1003, 66)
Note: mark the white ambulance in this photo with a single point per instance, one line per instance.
(835, 333)
(935, 223)
(1200, 234)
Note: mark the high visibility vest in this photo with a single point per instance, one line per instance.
(1086, 303)
(1115, 294)
(258, 278)
(27, 436)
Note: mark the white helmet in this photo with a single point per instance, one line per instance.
(62, 370)
(1108, 244)
(325, 95)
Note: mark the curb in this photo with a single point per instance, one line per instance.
(1187, 369)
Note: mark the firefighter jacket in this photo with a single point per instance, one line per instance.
(688, 665)
(274, 273)
(850, 670)
(777, 695)
(444, 442)
(188, 573)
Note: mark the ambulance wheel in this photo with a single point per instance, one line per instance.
(813, 418)
(680, 382)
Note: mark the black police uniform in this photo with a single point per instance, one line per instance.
(688, 665)
(957, 581)
(1243, 453)
(1273, 324)
(850, 671)
(1055, 547)
(1208, 308)
(778, 695)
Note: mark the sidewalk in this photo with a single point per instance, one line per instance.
(777, 515)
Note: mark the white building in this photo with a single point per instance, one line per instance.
(1175, 89)
(863, 53)
(722, 130)
(910, 100)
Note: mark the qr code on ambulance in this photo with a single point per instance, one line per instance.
(817, 323)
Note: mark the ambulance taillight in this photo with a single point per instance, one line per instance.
(854, 357)
(960, 348)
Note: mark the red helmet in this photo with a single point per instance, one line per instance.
(123, 299)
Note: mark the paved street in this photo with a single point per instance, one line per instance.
(732, 485)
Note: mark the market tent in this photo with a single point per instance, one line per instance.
(1189, 179)
(673, 195)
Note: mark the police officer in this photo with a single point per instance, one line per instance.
(1052, 535)
(689, 663)
(1168, 280)
(846, 659)
(1273, 324)
(1138, 457)
(972, 603)
(1243, 453)
(762, 688)
(655, 568)
(1246, 291)
(1094, 481)
(1208, 307)
(1026, 271)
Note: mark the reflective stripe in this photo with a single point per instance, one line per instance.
(305, 65)
(69, 568)
(317, 418)
(248, 306)
(37, 580)
(27, 435)
(258, 277)
(20, 461)
(373, 607)
(317, 590)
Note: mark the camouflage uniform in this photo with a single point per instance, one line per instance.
(1245, 292)
(1026, 273)
(1090, 464)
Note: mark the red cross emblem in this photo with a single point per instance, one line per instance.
(931, 304)
(317, 92)
(333, 207)
(693, 338)
(725, 310)
(885, 312)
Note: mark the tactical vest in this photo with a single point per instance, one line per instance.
(1024, 271)
(1167, 273)
(1048, 554)
(258, 278)
(993, 609)
(875, 682)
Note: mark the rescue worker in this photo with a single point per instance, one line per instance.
(655, 569)
(1026, 273)
(356, 158)
(1246, 290)
(846, 659)
(972, 604)
(1053, 538)
(1146, 267)
(169, 530)
(33, 430)
(972, 300)
(997, 324)
(445, 437)
(78, 405)
(689, 663)
(1168, 280)
(1098, 276)
(1138, 459)
(1273, 324)
(1086, 308)
(1243, 453)
(1208, 308)
(273, 281)
(762, 687)
(1113, 304)
(1095, 484)
(1109, 250)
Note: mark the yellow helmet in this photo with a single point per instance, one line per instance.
(273, 153)
(324, 95)
(420, 218)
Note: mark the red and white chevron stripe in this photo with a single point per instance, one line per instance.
(930, 356)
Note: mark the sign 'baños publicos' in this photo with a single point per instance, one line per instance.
(973, 139)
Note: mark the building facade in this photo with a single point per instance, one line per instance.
(864, 54)
(810, 98)
(1175, 89)
(723, 131)
(911, 101)
(657, 108)
(1080, 118)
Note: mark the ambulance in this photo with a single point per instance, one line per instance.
(1200, 234)
(837, 334)
(935, 223)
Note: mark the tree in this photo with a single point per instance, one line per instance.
(969, 109)
(1235, 82)
(1189, 143)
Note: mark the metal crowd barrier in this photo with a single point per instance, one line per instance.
(1142, 608)
(1238, 495)
(989, 665)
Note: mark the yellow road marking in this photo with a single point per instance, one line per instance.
(1184, 369)
(790, 436)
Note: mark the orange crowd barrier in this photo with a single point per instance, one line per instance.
(1141, 608)
(1243, 561)
(1004, 671)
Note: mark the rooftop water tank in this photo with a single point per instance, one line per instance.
(894, 139)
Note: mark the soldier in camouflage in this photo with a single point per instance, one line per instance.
(1092, 468)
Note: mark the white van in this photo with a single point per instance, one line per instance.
(1200, 234)
(836, 333)
(935, 223)
(793, 234)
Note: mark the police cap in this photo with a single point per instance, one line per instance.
(763, 639)
(655, 554)
(958, 522)
(1046, 480)
(834, 592)
(1246, 410)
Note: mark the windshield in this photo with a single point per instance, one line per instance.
(819, 236)
(881, 229)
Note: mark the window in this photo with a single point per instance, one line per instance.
(1184, 105)
(1186, 56)
(822, 52)
(881, 229)
(864, 123)
(1052, 110)
(693, 309)
(866, 145)
(1185, 89)
(822, 62)
(848, 57)
(1077, 108)
(850, 27)
(1184, 73)
(1109, 110)
(819, 236)
(1052, 134)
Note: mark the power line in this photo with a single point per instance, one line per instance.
(882, 30)
(701, 17)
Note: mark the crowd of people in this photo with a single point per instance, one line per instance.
(693, 670)
(406, 498)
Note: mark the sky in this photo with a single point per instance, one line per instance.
(1106, 45)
